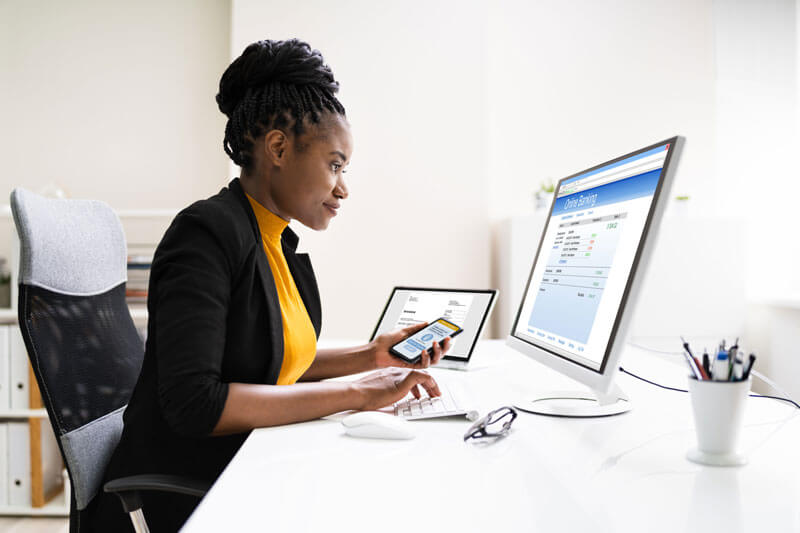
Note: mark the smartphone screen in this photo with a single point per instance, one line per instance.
(412, 347)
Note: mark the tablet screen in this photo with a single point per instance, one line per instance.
(466, 308)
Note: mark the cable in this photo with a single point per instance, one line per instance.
(772, 384)
(752, 395)
(776, 398)
(651, 382)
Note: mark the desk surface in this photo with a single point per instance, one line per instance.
(622, 473)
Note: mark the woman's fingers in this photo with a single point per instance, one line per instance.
(393, 337)
(437, 353)
(415, 392)
(425, 359)
(448, 342)
(438, 350)
(430, 385)
(410, 330)
(391, 385)
(415, 378)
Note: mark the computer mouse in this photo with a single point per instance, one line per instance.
(376, 425)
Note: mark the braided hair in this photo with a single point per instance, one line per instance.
(274, 85)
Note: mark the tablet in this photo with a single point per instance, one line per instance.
(467, 308)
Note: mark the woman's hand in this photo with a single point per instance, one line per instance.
(390, 385)
(382, 343)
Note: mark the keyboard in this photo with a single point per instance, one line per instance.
(448, 404)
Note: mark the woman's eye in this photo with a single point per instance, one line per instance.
(336, 167)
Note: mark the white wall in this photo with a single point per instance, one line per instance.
(573, 84)
(759, 102)
(113, 100)
(412, 80)
(773, 332)
(757, 142)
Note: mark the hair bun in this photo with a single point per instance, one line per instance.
(291, 62)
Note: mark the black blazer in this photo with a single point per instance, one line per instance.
(214, 319)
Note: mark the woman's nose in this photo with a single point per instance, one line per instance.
(341, 190)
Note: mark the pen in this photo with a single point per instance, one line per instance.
(738, 369)
(694, 365)
(721, 367)
(706, 362)
(696, 369)
(746, 374)
(700, 368)
(686, 347)
(732, 357)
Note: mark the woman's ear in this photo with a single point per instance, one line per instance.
(275, 143)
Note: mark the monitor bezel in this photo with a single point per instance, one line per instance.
(487, 312)
(601, 379)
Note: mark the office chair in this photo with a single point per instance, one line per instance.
(82, 343)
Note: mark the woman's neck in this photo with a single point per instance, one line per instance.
(257, 187)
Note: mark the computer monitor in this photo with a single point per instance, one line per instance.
(586, 275)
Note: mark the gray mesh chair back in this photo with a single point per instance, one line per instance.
(81, 340)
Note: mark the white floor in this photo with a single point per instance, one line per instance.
(34, 525)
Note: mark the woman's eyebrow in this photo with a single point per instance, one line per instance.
(340, 154)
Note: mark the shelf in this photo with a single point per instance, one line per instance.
(11, 414)
(56, 508)
(59, 510)
(8, 316)
(138, 313)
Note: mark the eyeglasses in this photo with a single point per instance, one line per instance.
(495, 424)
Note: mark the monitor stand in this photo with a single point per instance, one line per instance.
(577, 404)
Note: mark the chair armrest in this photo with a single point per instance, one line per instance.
(128, 488)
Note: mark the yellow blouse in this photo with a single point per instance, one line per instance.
(299, 338)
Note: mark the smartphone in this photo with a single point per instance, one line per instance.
(410, 348)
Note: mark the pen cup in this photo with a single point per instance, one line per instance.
(718, 408)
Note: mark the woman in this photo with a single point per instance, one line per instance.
(234, 311)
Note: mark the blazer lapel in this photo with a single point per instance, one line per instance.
(268, 284)
(274, 312)
(304, 279)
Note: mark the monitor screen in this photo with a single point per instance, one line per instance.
(585, 262)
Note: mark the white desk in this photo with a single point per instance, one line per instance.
(624, 473)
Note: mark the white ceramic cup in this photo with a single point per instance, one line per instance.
(718, 408)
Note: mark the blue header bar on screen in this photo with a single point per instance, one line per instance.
(617, 191)
(617, 164)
